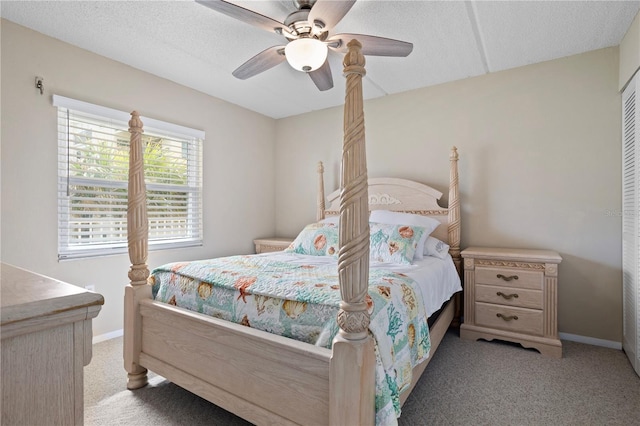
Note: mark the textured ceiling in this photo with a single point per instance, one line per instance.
(192, 45)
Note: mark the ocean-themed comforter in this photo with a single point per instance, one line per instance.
(300, 300)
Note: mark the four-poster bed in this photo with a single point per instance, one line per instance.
(263, 377)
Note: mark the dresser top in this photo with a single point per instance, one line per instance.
(522, 255)
(28, 295)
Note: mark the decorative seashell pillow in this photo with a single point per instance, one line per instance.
(316, 239)
(401, 218)
(394, 243)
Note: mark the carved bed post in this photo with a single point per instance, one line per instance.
(454, 228)
(137, 237)
(320, 202)
(352, 371)
(454, 210)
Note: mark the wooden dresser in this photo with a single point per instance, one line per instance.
(264, 245)
(511, 294)
(46, 342)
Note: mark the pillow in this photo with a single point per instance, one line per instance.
(331, 219)
(316, 239)
(393, 243)
(400, 218)
(435, 247)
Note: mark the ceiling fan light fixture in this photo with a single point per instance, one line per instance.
(306, 54)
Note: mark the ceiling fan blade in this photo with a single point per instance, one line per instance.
(330, 12)
(371, 45)
(245, 15)
(322, 77)
(263, 61)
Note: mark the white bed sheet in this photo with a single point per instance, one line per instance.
(437, 277)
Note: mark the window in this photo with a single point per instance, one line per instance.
(93, 167)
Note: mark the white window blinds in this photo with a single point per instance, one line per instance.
(93, 165)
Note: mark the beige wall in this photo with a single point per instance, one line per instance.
(630, 53)
(540, 167)
(238, 160)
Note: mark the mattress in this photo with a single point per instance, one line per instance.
(438, 277)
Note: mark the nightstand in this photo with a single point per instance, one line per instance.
(511, 294)
(264, 245)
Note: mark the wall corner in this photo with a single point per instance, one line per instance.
(629, 53)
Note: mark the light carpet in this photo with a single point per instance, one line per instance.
(466, 383)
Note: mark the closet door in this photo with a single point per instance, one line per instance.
(631, 222)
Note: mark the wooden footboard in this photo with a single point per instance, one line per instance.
(264, 378)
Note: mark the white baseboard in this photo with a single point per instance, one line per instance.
(591, 341)
(107, 336)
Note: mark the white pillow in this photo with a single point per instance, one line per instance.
(435, 247)
(400, 218)
(331, 219)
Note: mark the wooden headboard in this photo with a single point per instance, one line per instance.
(408, 196)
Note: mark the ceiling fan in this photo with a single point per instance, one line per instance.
(307, 31)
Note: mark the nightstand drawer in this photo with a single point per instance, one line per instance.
(517, 278)
(519, 320)
(509, 296)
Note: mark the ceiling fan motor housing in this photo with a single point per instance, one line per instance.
(304, 4)
(300, 26)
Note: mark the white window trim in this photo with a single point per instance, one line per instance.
(114, 114)
(153, 126)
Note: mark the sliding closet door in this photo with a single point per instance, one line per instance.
(631, 222)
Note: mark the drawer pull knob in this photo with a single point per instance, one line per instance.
(507, 296)
(507, 317)
(509, 278)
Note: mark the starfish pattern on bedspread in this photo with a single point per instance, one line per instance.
(300, 301)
